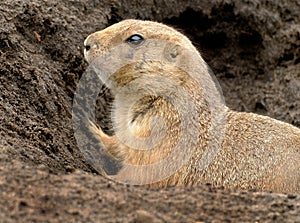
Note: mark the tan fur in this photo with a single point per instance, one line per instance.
(257, 152)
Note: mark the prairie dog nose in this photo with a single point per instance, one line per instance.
(87, 47)
(90, 44)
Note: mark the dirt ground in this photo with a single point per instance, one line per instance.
(252, 46)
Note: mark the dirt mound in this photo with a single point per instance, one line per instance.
(253, 47)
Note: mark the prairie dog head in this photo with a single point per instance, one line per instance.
(134, 33)
(127, 43)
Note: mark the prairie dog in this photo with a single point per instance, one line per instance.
(246, 150)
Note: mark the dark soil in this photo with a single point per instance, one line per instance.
(252, 46)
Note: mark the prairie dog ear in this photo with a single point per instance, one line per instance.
(171, 52)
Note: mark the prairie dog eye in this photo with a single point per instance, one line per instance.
(135, 40)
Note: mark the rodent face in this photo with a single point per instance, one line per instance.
(131, 32)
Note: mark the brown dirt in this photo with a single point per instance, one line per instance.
(252, 46)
